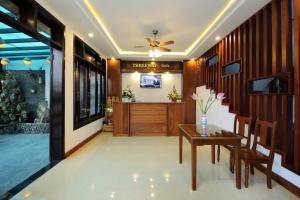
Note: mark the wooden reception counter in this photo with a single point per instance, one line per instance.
(147, 119)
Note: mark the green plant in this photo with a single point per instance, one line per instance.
(173, 95)
(12, 105)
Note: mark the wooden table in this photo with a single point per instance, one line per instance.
(215, 136)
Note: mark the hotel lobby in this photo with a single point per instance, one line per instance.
(137, 99)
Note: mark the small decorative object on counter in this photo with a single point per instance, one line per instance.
(204, 106)
(173, 95)
(127, 95)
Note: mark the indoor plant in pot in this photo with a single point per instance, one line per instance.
(173, 95)
(127, 95)
(205, 105)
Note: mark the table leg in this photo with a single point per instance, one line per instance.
(194, 165)
(180, 148)
(238, 167)
(213, 153)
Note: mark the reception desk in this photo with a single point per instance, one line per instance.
(147, 119)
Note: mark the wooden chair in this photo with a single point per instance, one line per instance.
(241, 122)
(264, 135)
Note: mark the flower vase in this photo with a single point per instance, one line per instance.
(203, 124)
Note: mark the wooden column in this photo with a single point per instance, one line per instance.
(297, 84)
(189, 86)
(114, 79)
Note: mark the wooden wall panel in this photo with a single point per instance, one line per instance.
(121, 119)
(189, 86)
(264, 45)
(114, 81)
(297, 83)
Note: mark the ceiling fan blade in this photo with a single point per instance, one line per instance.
(164, 49)
(139, 46)
(166, 43)
(149, 40)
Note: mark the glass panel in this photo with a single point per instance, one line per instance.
(213, 60)
(102, 90)
(43, 29)
(10, 9)
(277, 84)
(99, 93)
(232, 68)
(92, 93)
(83, 91)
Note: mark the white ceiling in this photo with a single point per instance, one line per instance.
(119, 25)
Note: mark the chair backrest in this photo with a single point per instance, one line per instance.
(242, 121)
(266, 132)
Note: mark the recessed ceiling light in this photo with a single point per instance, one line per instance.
(153, 59)
(91, 35)
(193, 59)
(218, 38)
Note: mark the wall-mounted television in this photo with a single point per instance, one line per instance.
(150, 81)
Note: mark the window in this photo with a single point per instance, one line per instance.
(90, 84)
(232, 68)
(212, 60)
(92, 93)
(277, 84)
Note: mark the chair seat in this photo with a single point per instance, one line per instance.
(250, 155)
(231, 148)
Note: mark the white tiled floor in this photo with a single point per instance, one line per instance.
(140, 168)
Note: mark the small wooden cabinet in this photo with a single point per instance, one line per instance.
(147, 119)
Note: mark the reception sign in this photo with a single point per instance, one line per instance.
(146, 67)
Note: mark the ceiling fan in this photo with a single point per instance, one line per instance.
(156, 45)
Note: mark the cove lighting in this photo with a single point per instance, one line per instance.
(183, 53)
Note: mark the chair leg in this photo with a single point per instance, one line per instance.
(232, 158)
(246, 174)
(252, 169)
(218, 153)
(269, 178)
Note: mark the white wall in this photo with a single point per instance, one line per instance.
(72, 138)
(150, 94)
(219, 115)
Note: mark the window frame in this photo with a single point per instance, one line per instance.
(82, 59)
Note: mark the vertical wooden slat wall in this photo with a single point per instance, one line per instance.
(266, 44)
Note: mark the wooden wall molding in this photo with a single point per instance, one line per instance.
(81, 144)
(156, 67)
(264, 43)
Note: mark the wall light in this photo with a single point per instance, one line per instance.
(136, 76)
(4, 61)
(27, 61)
(2, 43)
(167, 76)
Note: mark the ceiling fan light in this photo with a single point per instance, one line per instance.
(4, 61)
(27, 61)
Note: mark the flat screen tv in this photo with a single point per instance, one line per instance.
(150, 81)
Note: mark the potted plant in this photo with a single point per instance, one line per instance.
(127, 95)
(173, 95)
(205, 105)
